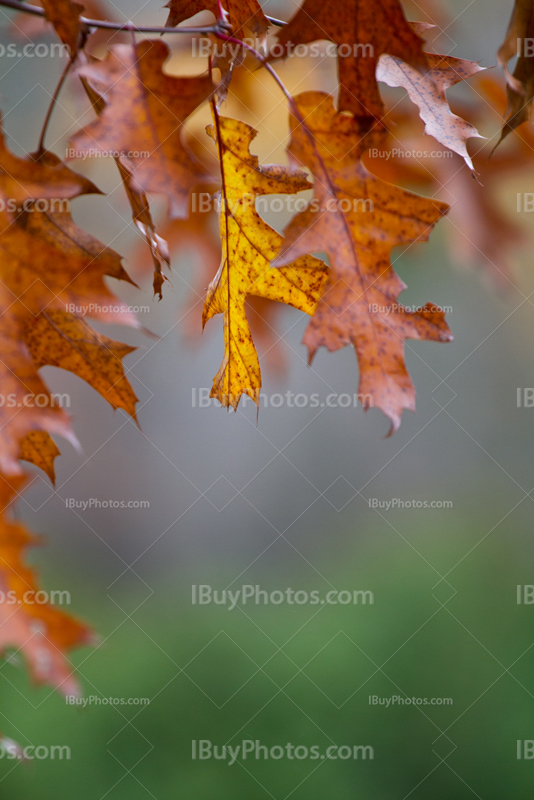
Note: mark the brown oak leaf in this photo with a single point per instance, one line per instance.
(362, 31)
(65, 17)
(520, 85)
(143, 120)
(428, 93)
(356, 219)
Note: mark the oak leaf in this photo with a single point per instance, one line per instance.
(249, 245)
(47, 264)
(357, 219)
(520, 85)
(65, 17)
(39, 449)
(60, 339)
(480, 233)
(20, 384)
(138, 200)
(143, 120)
(362, 31)
(42, 632)
(245, 17)
(428, 93)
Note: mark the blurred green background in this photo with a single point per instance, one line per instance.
(286, 504)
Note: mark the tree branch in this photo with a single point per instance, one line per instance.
(118, 26)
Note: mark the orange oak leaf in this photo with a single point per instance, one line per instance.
(39, 449)
(47, 265)
(143, 120)
(23, 180)
(40, 631)
(356, 219)
(362, 31)
(138, 203)
(65, 17)
(61, 266)
(480, 232)
(59, 339)
(26, 403)
(245, 17)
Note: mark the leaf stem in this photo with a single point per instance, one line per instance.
(63, 76)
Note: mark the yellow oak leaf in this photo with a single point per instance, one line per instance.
(249, 245)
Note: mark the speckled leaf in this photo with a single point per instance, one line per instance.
(362, 30)
(47, 263)
(143, 120)
(249, 245)
(39, 449)
(59, 339)
(428, 93)
(357, 219)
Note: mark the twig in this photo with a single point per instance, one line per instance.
(118, 26)
(40, 146)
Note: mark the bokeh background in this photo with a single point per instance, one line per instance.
(285, 503)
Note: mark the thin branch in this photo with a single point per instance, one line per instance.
(118, 26)
(40, 146)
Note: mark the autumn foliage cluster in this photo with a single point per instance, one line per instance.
(333, 261)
